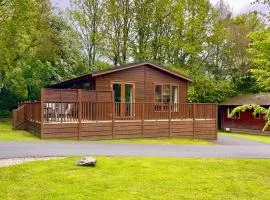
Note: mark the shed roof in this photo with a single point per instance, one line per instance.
(123, 67)
(262, 99)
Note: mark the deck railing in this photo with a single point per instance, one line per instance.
(100, 111)
(27, 111)
(62, 112)
(80, 114)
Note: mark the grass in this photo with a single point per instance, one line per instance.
(8, 134)
(138, 178)
(162, 141)
(259, 138)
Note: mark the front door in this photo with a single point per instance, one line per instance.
(123, 99)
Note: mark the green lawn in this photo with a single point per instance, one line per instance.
(7, 134)
(259, 138)
(138, 178)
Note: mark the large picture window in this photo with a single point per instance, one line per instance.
(164, 94)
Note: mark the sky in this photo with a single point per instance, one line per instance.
(237, 6)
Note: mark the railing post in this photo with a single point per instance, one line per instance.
(61, 105)
(79, 112)
(33, 104)
(41, 113)
(194, 113)
(170, 118)
(113, 118)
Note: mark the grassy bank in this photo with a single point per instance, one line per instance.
(259, 138)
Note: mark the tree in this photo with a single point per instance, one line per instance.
(35, 49)
(119, 17)
(143, 19)
(86, 18)
(260, 57)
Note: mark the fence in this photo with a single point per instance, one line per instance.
(81, 114)
(28, 116)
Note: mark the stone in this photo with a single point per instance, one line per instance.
(87, 161)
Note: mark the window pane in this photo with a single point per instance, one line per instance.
(166, 94)
(117, 92)
(174, 94)
(158, 91)
(128, 93)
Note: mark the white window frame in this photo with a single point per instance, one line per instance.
(229, 111)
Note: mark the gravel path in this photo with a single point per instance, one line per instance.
(16, 161)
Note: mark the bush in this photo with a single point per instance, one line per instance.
(5, 114)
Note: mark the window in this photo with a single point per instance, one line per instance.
(257, 116)
(174, 94)
(158, 93)
(236, 116)
(166, 94)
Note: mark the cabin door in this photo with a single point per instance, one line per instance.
(124, 100)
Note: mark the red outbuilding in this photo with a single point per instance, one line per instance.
(243, 122)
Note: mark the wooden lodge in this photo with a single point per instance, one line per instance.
(139, 100)
(244, 122)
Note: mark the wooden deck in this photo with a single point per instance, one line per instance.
(63, 116)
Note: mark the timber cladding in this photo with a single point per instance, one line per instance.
(204, 129)
(144, 78)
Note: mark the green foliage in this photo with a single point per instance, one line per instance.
(257, 109)
(8, 101)
(206, 90)
(260, 56)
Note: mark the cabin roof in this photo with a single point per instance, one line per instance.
(123, 67)
(262, 99)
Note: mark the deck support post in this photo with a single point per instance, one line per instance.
(216, 118)
(79, 112)
(170, 118)
(41, 113)
(113, 118)
(143, 105)
(194, 113)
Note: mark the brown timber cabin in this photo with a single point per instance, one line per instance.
(130, 101)
(244, 122)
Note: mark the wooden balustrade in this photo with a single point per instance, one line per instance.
(100, 111)
(75, 116)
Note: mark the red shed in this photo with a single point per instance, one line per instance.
(243, 122)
